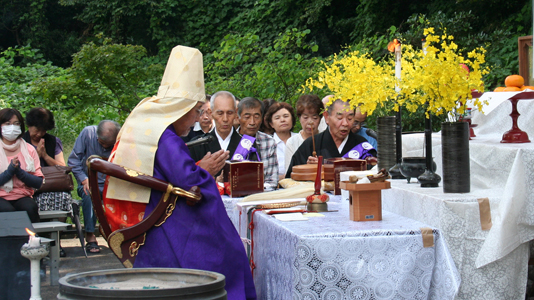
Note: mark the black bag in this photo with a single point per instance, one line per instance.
(56, 179)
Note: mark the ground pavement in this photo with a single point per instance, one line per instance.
(75, 262)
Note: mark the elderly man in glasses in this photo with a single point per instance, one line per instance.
(358, 127)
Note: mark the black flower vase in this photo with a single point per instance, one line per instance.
(456, 164)
(429, 178)
(395, 171)
(386, 142)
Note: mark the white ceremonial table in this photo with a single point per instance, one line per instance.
(332, 257)
(493, 264)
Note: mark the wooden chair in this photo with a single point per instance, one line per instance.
(126, 242)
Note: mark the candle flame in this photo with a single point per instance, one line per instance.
(30, 232)
(393, 44)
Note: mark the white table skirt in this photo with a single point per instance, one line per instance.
(458, 218)
(332, 257)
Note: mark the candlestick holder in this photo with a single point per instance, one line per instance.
(429, 178)
(35, 254)
(516, 135)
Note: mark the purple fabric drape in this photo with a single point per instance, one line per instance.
(196, 237)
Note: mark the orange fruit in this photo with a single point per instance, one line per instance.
(514, 80)
(512, 89)
(527, 87)
(499, 89)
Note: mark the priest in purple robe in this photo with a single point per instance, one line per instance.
(195, 237)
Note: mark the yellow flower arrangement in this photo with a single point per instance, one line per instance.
(435, 76)
(356, 78)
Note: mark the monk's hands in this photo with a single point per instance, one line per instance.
(312, 160)
(213, 163)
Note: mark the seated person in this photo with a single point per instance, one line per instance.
(196, 237)
(309, 108)
(250, 114)
(225, 136)
(336, 141)
(204, 125)
(280, 117)
(322, 124)
(358, 127)
(20, 169)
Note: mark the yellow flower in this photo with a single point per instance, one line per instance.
(437, 78)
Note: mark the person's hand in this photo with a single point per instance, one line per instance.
(85, 184)
(15, 162)
(213, 163)
(41, 151)
(220, 178)
(312, 160)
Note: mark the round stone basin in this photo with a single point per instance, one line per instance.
(143, 283)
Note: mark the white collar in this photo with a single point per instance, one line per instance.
(227, 138)
(340, 148)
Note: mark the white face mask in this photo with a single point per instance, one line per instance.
(11, 132)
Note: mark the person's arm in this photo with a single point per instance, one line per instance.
(271, 169)
(9, 172)
(76, 157)
(29, 179)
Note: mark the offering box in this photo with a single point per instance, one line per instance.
(365, 200)
(244, 178)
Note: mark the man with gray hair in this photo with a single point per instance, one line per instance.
(225, 139)
(336, 141)
(250, 113)
(93, 140)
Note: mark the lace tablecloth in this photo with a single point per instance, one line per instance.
(492, 264)
(332, 257)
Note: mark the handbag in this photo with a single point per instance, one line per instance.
(56, 179)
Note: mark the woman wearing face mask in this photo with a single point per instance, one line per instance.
(20, 169)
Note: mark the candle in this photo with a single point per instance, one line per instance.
(395, 46)
(33, 240)
(398, 55)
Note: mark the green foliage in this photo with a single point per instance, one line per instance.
(248, 66)
(110, 77)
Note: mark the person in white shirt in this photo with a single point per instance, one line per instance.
(322, 125)
(309, 112)
(281, 119)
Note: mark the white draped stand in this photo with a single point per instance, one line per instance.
(493, 263)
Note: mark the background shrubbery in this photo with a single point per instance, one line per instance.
(89, 60)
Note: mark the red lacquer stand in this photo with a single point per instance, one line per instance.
(516, 135)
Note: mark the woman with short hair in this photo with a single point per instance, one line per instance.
(280, 117)
(309, 112)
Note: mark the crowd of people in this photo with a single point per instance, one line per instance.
(150, 145)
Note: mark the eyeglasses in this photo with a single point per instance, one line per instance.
(359, 123)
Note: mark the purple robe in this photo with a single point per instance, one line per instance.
(194, 237)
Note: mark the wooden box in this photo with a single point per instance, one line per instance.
(244, 177)
(365, 200)
(341, 164)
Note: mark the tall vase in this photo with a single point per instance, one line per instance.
(395, 171)
(456, 164)
(386, 142)
(429, 178)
